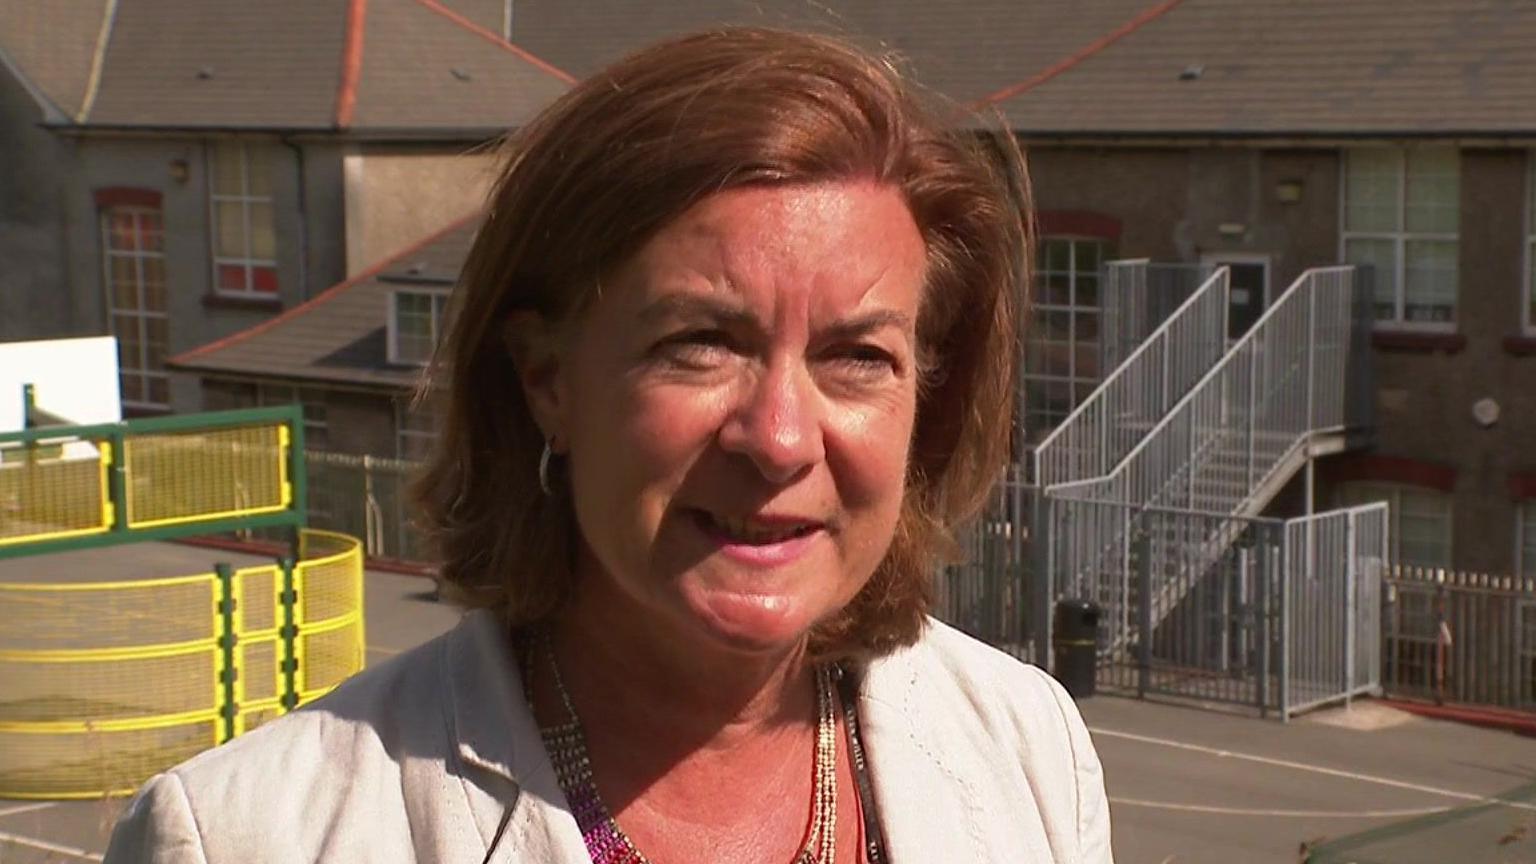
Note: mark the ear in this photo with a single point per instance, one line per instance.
(535, 346)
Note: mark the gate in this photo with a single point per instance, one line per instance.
(1278, 615)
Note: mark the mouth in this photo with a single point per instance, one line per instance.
(756, 530)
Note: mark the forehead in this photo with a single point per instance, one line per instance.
(842, 243)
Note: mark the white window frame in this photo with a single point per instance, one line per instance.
(438, 306)
(248, 262)
(1392, 493)
(1400, 238)
(1073, 309)
(141, 369)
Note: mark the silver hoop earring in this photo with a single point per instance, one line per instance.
(544, 469)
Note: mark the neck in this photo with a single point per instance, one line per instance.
(627, 670)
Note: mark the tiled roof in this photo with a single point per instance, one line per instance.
(320, 65)
(339, 336)
(52, 44)
(1302, 67)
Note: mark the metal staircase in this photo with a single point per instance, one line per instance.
(1163, 469)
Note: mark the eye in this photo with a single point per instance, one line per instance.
(695, 348)
(865, 359)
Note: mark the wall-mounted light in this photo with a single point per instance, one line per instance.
(1288, 191)
(179, 170)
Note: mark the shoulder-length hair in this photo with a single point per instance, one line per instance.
(630, 149)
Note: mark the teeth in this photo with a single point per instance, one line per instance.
(745, 531)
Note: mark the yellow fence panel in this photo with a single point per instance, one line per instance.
(180, 477)
(51, 491)
(331, 643)
(107, 683)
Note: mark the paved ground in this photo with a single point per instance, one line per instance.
(1186, 785)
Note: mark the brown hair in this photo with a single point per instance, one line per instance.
(630, 149)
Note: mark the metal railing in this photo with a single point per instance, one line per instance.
(1461, 637)
(1141, 390)
(1334, 566)
(1136, 296)
(987, 593)
(1279, 615)
(107, 683)
(1286, 379)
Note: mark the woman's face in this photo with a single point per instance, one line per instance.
(737, 408)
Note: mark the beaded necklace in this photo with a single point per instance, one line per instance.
(607, 843)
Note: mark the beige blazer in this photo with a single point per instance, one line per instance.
(974, 757)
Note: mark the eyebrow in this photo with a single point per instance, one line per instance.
(693, 306)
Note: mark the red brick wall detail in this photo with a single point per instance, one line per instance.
(124, 196)
(1394, 469)
(1078, 223)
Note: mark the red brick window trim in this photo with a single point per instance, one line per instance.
(1394, 469)
(126, 196)
(1078, 223)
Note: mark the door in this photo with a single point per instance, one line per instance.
(1249, 294)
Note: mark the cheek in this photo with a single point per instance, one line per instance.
(870, 450)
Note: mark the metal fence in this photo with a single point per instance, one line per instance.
(108, 683)
(1334, 564)
(1280, 615)
(1141, 390)
(1136, 296)
(987, 594)
(367, 497)
(1287, 378)
(1461, 637)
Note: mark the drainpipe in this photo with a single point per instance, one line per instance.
(298, 155)
(506, 20)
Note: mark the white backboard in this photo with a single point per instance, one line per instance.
(74, 379)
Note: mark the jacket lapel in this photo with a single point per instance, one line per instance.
(937, 793)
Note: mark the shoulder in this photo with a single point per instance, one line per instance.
(1018, 719)
(309, 769)
(977, 678)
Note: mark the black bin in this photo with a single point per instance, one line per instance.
(1075, 645)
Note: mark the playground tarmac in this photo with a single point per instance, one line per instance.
(1367, 784)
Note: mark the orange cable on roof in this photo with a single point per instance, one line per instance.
(483, 33)
(351, 63)
(327, 294)
(1146, 16)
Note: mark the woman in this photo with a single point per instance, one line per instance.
(731, 355)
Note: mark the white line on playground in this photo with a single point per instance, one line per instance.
(1273, 813)
(1316, 769)
(44, 845)
(26, 808)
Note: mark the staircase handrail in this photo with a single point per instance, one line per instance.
(1243, 351)
(1059, 458)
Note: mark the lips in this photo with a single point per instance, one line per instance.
(756, 530)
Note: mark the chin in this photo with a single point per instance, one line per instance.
(749, 623)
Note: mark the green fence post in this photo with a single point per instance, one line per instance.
(229, 709)
(290, 632)
(117, 484)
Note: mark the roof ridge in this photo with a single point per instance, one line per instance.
(1142, 18)
(98, 59)
(522, 53)
(351, 62)
(328, 294)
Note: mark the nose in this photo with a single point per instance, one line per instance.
(776, 423)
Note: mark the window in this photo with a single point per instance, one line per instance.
(316, 432)
(133, 254)
(414, 431)
(1061, 364)
(415, 323)
(1402, 214)
(1529, 312)
(1526, 533)
(231, 395)
(244, 234)
(1420, 526)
